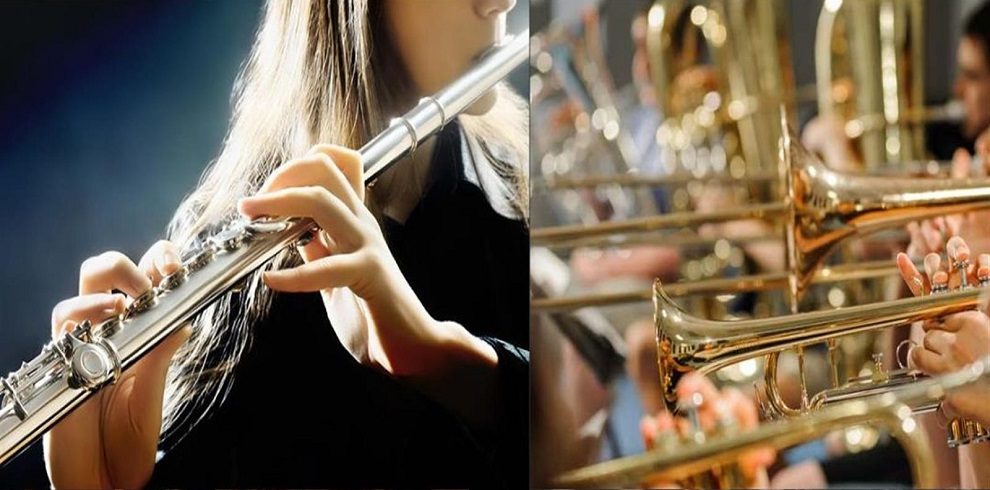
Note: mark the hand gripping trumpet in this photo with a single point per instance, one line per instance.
(75, 366)
(686, 343)
(712, 464)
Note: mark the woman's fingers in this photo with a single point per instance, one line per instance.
(92, 307)
(315, 202)
(345, 270)
(109, 271)
(320, 168)
(348, 162)
(929, 362)
(937, 277)
(915, 280)
(160, 260)
(938, 341)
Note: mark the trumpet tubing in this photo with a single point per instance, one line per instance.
(685, 463)
(769, 281)
(828, 207)
(686, 343)
(823, 209)
(877, 45)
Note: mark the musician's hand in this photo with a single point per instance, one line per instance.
(374, 311)
(110, 441)
(715, 405)
(592, 266)
(826, 136)
(929, 236)
(938, 271)
(949, 345)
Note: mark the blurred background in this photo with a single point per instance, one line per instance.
(109, 112)
(943, 23)
(655, 130)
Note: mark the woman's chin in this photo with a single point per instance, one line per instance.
(483, 104)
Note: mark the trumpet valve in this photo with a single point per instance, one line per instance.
(689, 408)
(962, 266)
(969, 430)
(939, 278)
(880, 374)
(957, 433)
(980, 433)
(983, 271)
(959, 257)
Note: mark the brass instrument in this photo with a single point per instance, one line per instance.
(869, 61)
(686, 343)
(823, 209)
(747, 43)
(74, 367)
(768, 281)
(577, 60)
(713, 463)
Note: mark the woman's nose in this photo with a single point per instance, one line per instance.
(492, 8)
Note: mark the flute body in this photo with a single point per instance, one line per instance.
(78, 364)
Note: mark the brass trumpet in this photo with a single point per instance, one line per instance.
(686, 343)
(713, 463)
(823, 209)
(768, 281)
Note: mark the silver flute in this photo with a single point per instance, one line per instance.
(79, 363)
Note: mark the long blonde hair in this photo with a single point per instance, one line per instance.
(315, 74)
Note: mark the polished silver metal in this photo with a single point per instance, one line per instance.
(174, 279)
(443, 111)
(73, 367)
(197, 257)
(413, 137)
(430, 115)
(142, 303)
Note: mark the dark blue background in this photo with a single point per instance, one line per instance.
(109, 111)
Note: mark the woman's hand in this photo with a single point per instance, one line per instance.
(715, 406)
(371, 306)
(374, 311)
(110, 440)
(952, 342)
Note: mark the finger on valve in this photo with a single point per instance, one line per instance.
(938, 278)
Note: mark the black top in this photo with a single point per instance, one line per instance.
(302, 413)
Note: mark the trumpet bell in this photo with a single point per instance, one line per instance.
(826, 207)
